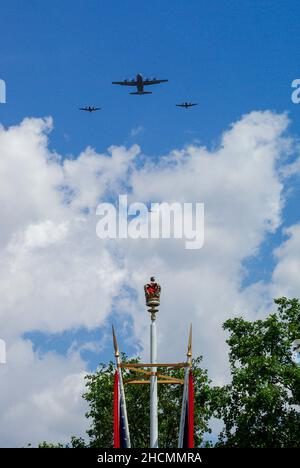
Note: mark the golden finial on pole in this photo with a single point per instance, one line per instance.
(117, 353)
(190, 353)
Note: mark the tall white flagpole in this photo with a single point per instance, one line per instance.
(152, 292)
(153, 386)
(185, 390)
(121, 386)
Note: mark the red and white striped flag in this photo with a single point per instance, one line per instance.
(186, 434)
(120, 437)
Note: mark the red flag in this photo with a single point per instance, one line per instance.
(191, 412)
(188, 415)
(116, 411)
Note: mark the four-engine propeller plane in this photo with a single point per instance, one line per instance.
(89, 109)
(186, 105)
(139, 82)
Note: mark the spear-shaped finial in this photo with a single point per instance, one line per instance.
(117, 353)
(189, 353)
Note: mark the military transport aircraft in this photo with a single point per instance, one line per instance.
(187, 104)
(139, 82)
(89, 108)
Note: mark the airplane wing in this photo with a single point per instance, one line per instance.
(97, 108)
(125, 83)
(83, 108)
(180, 105)
(152, 82)
(195, 104)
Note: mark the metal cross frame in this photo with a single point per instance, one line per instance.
(165, 378)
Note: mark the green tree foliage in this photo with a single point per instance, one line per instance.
(100, 398)
(260, 408)
(76, 442)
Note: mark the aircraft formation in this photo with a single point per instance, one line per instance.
(139, 83)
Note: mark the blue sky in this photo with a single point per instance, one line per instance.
(231, 57)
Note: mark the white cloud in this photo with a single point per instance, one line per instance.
(286, 275)
(90, 175)
(242, 191)
(29, 174)
(40, 397)
(55, 274)
(137, 131)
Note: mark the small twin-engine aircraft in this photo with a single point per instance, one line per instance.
(89, 108)
(139, 82)
(186, 105)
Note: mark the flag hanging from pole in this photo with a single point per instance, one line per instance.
(116, 412)
(120, 439)
(186, 438)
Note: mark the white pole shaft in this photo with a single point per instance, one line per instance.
(183, 408)
(123, 402)
(153, 388)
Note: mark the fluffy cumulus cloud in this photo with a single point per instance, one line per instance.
(240, 186)
(286, 278)
(54, 272)
(57, 275)
(40, 397)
